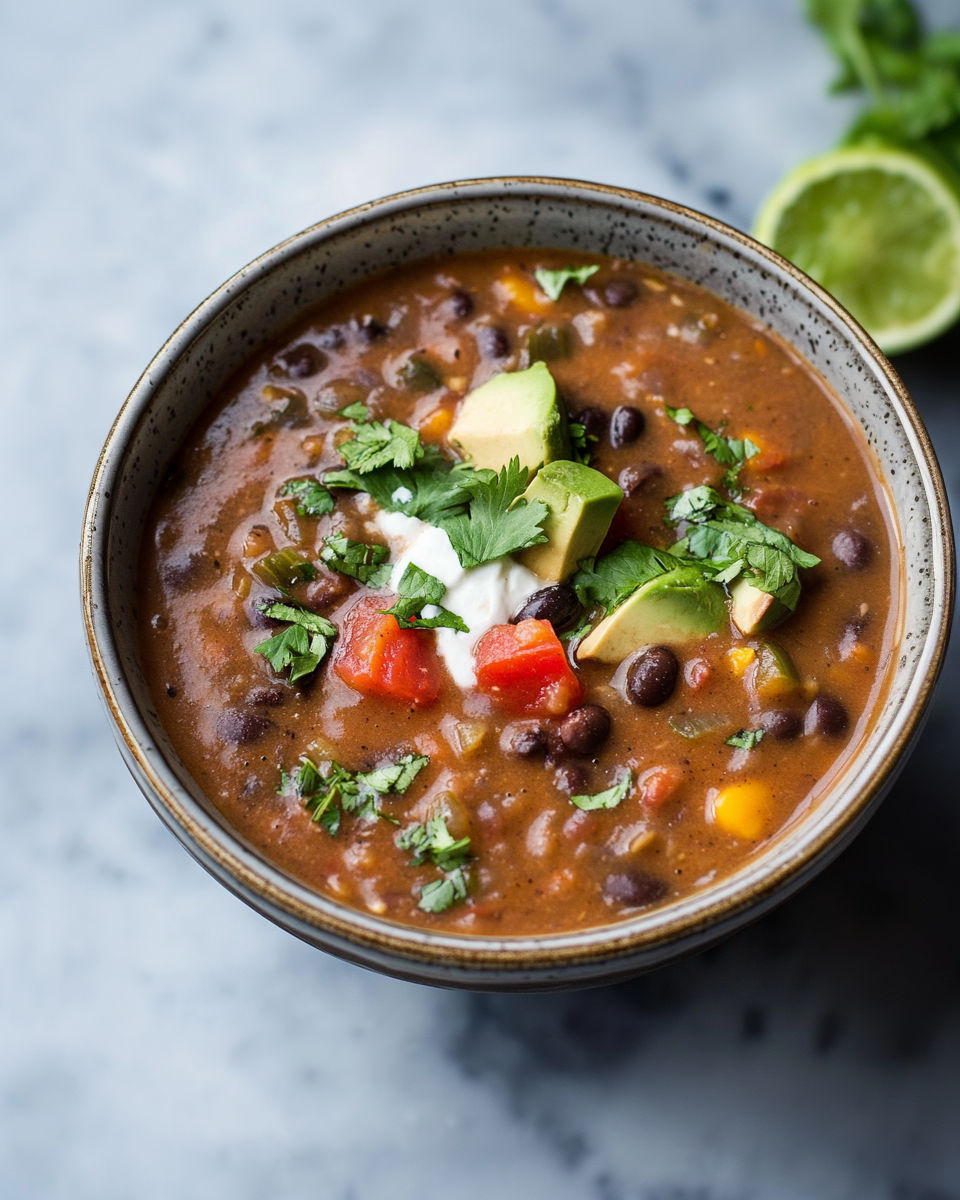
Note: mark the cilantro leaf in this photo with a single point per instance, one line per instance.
(441, 894)
(498, 521)
(553, 282)
(357, 411)
(379, 444)
(358, 792)
(609, 580)
(419, 590)
(608, 799)
(733, 542)
(359, 560)
(313, 499)
(746, 739)
(728, 452)
(432, 490)
(434, 843)
(302, 646)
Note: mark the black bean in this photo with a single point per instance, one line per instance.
(633, 889)
(853, 549)
(652, 676)
(171, 690)
(239, 727)
(371, 328)
(265, 695)
(302, 361)
(626, 425)
(571, 779)
(620, 293)
(632, 479)
(460, 304)
(593, 420)
(523, 740)
(826, 715)
(492, 342)
(585, 730)
(780, 723)
(557, 604)
(258, 618)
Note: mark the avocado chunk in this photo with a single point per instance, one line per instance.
(513, 414)
(582, 503)
(754, 611)
(679, 606)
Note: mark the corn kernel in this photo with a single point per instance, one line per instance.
(436, 424)
(742, 810)
(513, 288)
(740, 658)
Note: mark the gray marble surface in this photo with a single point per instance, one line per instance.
(158, 1040)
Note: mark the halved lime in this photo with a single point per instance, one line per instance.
(879, 228)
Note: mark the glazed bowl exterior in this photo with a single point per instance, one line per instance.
(268, 296)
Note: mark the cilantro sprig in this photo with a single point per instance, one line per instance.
(607, 799)
(730, 539)
(302, 646)
(609, 580)
(746, 739)
(498, 521)
(360, 560)
(312, 498)
(433, 843)
(433, 490)
(418, 590)
(379, 444)
(326, 794)
(729, 452)
(553, 282)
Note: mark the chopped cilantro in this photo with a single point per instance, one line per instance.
(434, 843)
(609, 580)
(728, 452)
(581, 442)
(553, 282)
(356, 792)
(608, 799)
(433, 490)
(302, 646)
(497, 521)
(733, 542)
(357, 411)
(746, 739)
(441, 894)
(313, 499)
(419, 590)
(380, 444)
(359, 560)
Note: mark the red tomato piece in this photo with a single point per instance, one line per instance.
(377, 657)
(524, 667)
(656, 785)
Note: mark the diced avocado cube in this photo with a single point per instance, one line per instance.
(513, 414)
(774, 677)
(582, 503)
(679, 606)
(754, 611)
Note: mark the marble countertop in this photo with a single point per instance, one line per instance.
(160, 1040)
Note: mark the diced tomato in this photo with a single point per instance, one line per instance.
(524, 667)
(696, 673)
(657, 785)
(377, 657)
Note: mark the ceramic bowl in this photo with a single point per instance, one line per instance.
(269, 295)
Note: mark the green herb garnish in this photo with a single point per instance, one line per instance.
(608, 799)
(357, 411)
(433, 490)
(302, 646)
(733, 542)
(581, 442)
(434, 843)
(441, 894)
(380, 444)
(313, 499)
(609, 580)
(728, 452)
(746, 739)
(360, 560)
(357, 792)
(498, 521)
(418, 590)
(553, 282)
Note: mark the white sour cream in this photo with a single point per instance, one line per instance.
(483, 596)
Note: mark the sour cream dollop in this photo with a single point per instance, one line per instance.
(483, 596)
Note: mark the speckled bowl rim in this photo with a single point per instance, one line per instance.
(579, 958)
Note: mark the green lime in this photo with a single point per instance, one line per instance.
(879, 228)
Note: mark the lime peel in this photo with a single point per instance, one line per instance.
(879, 228)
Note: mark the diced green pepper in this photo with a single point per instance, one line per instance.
(285, 568)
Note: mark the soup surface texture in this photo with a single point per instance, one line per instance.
(649, 658)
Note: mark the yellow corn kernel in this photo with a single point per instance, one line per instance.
(742, 810)
(313, 446)
(436, 424)
(740, 658)
(241, 583)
